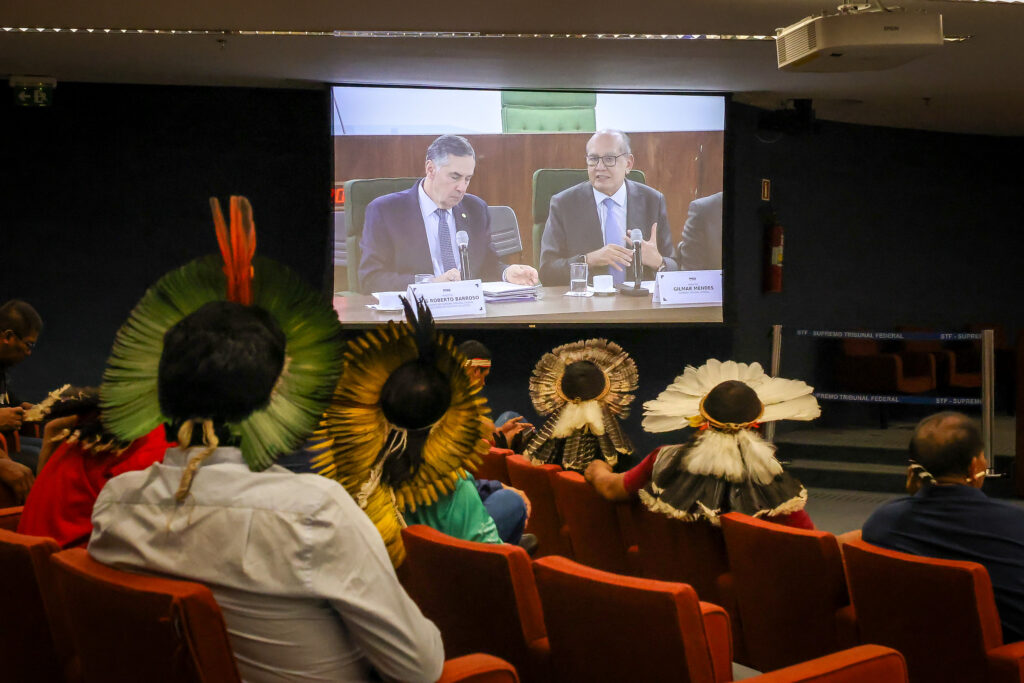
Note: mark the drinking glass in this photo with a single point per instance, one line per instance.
(578, 279)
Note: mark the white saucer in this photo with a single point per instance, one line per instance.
(604, 292)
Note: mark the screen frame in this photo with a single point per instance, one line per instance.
(728, 159)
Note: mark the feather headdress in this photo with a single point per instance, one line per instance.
(391, 468)
(584, 389)
(727, 465)
(679, 405)
(129, 395)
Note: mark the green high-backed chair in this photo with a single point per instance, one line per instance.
(548, 112)
(547, 182)
(359, 193)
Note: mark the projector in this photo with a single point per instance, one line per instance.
(857, 41)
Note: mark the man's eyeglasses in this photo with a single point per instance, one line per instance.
(28, 344)
(609, 161)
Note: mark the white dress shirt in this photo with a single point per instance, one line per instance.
(430, 222)
(620, 209)
(300, 572)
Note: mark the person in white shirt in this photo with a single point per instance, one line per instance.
(301, 574)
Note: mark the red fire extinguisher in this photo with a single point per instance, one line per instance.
(774, 240)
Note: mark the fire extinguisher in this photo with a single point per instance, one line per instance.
(774, 239)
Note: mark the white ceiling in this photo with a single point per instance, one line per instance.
(975, 86)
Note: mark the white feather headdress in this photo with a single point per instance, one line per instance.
(679, 404)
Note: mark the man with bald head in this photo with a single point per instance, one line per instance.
(950, 518)
(590, 222)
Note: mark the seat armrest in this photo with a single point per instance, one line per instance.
(478, 667)
(863, 663)
(1006, 663)
(718, 630)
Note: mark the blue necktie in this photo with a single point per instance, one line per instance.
(444, 242)
(613, 234)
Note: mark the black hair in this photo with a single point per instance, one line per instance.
(415, 396)
(945, 443)
(20, 318)
(471, 348)
(732, 401)
(220, 362)
(583, 380)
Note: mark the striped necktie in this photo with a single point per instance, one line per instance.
(444, 242)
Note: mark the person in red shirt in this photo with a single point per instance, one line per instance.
(76, 461)
(725, 466)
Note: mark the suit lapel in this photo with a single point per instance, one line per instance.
(593, 237)
(634, 212)
(414, 240)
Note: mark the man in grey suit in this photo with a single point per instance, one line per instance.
(701, 246)
(590, 222)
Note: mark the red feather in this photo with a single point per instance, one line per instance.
(237, 247)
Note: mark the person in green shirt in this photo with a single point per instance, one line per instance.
(406, 423)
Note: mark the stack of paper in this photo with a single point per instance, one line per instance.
(495, 292)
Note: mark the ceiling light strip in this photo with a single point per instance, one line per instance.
(430, 35)
(394, 34)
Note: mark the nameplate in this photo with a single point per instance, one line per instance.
(689, 287)
(451, 299)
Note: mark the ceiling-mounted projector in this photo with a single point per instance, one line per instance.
(858, 38)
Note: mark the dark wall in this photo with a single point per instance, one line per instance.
(884, 227)
(108, 189)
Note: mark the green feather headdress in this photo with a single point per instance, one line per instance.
(312, 332)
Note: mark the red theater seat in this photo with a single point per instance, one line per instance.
(940, 614)
(693, 553)
(27, 650)
(790, 591)
(493, 466)
(130, 627)
(10, 516)
(595, 525)
(866, 663)
(607, 627)
(481, 596)
(535, 481)
(478, 668)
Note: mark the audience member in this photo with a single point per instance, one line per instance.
(406, 422)
(508, 506)
(299, 572)
(510, 429)
(583, 389)
(950, 518)
(20, 326)
(726, 466)
(77, 459)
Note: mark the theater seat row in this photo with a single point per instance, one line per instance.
(69, 618)
(557, 620)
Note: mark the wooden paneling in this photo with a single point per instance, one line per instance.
(682, 165)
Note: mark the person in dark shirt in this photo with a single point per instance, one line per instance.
(20, 326)
(950, 518)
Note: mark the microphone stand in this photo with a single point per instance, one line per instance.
(635, 288)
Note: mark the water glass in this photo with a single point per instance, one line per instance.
(578, 279)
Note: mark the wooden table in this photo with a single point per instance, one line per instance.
(551, 307)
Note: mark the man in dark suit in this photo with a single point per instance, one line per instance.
(701, 246)
(413, 231)
(590, 222)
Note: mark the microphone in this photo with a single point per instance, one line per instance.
(462, 239)
(638, 266)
